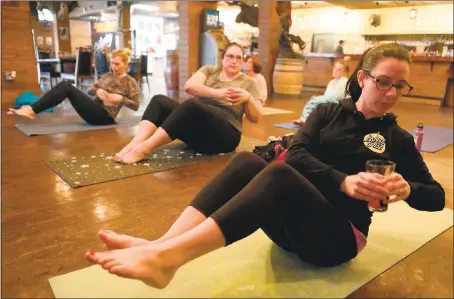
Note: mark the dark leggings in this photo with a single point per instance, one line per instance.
(248, 194)
(193, 123)
(92, 112)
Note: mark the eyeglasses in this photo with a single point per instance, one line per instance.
(231, 57)
(385, 85)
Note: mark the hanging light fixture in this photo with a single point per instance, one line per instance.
(413, 13)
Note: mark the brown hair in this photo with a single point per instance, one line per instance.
(124, 54)
(371, 58)
(352, 88)
(233, 44)
(378, 53)
(256, 64)
(345, 63)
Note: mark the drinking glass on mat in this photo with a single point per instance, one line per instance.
(383, 167)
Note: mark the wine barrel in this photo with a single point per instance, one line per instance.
(288, 76)
(171, 71)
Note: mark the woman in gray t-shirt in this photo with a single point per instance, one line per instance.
(211, 122)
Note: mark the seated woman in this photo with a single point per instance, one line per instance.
(335, 91)
(253, 69)
(112, 90)
(211, 123)
(316, 203)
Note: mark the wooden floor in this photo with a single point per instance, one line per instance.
(47, 226)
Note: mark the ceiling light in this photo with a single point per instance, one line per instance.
(145, 7)
(413, 12)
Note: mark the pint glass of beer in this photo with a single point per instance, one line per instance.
(383, 167)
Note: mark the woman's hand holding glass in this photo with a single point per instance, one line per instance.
(398, 187)
(233, 95)
(237, 96)
(373, 186)
(365, 186)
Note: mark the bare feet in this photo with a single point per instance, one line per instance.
(113, 240)
(298, 122)
(151, 264)
(135, 155)
(119, 156)
(25, 111)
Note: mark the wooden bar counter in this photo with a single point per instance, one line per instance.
(429, 75)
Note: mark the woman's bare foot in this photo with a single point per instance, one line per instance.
(25, 111)
(151, 264)
(113, 240)
(131, 145)
(135, 155)
(298, 122)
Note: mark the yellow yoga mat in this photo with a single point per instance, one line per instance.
(254, 267)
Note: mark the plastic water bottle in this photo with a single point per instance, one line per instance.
(419, 134)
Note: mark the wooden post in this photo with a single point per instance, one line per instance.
(123, 10)
(17, 51)
(119, 36)
(269, 30)
(126, 25)
(188, 50)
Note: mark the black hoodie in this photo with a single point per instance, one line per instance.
(336, 140)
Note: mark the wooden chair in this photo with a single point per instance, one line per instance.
(144, 68)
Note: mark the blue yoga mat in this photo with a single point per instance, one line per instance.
(289, 126)
(435, 138)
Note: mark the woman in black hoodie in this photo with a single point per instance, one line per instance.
(314, 205)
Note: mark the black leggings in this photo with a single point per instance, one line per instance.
(193, 123)
(248, 195)
(92, 112)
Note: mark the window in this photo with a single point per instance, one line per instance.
(45, 15)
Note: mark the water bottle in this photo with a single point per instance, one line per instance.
(419, 134)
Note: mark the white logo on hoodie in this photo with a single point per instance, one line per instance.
(375, 142)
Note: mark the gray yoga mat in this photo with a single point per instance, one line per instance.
(57, 128)
(435, 138)
(101, 167)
